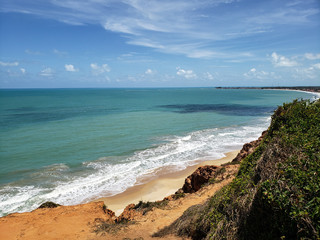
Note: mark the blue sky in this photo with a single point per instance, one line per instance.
(159, 43)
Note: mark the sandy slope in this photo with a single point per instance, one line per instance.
(65, 222)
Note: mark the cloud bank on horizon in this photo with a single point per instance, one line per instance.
(136, 43)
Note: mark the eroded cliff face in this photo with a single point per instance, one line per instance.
(212, 173)
(276, 194)
(199, 177)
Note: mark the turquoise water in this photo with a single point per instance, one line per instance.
(74, 145)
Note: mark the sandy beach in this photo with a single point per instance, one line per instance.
(162, 185)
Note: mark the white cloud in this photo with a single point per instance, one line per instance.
(59, 53)
(253, 73)
(97, 70)
(317, 65)
(312, 56)
(145, 42)
(9, 64)
(134, 57)
(287, 15)
(70, 68)
(200, 53)
(23, 70)
(117, 26)
(27, 51)
(188, 74)
(149, 72)
(208, 76)
(306, 73)
(47, 72)
(282, 61)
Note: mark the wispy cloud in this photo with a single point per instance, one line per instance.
(30, 52)
(166, 25)
(312, 56)
(282, 61)
(317, 65)
(97, 70)
(188, 74)
(255, 74)
(70, 68)
(59, 53)
(135, 57)
(208, 76)
(47, 72)
(284, 16)
(311, 72)
(9, 64)
(149, 72)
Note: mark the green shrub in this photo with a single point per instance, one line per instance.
(147, 206)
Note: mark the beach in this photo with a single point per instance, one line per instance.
(158, 187)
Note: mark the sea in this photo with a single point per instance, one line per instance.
(72, 146)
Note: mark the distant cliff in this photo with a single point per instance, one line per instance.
(276, 194)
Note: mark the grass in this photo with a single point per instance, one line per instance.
(147, 206)
(101, 226)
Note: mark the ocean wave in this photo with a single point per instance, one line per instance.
(106, 178)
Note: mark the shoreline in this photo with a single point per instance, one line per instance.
(158, 187)
(315, 94)
(312, 90)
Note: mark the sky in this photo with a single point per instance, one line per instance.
(159, 43)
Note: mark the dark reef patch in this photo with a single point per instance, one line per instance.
(226, 109)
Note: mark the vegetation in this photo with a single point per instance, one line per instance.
(276, 194)
(49, 205)
(100, 226)
(147, 206)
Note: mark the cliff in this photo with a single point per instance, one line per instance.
(276, 193)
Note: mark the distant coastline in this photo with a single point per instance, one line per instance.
(315, 89)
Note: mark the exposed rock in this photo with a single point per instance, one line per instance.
(199, 177)
(109, 212)
(128, 214)
(170, 197)
(178, 194)
(248, 148)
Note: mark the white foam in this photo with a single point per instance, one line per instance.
(316, 95)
